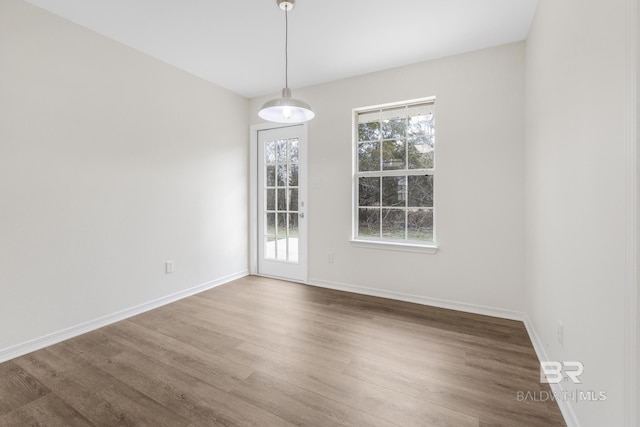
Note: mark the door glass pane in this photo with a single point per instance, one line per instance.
(271, 199)
(282, 151)
(293, 175)
(293, 225)
(293, 150)
(281, 248)
(270, 247)
(293, 199)
(271, 223)
(293, 237)
(282, 199)
(271, 175)
(270, 238)
(281, 190)
(283, 177)
(281, 236)
(270, 152)
(281, 226)
(293, 249)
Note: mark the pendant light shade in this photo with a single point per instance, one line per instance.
(286, 109)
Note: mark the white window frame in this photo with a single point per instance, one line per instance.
(395, 245)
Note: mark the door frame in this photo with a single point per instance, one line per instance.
(253, 191)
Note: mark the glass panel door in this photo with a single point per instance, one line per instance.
(281, 195)
(281, 192)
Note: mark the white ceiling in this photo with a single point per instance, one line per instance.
(239, 44)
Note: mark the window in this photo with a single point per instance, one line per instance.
(394, 173)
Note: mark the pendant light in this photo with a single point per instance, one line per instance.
(286, 109)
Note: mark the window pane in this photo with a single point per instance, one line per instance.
(282, 199)
(369, 156)
(421, 109)
(393, 154)
(293, 199)
(271, 200)
(394, 123)
(369, 191)
(420, 224)
(421, 191)
(417, 126)
(393, 224)
(420, 152)
(394, 190)
(421, 119)
(369, 126)
(271, 175)
(369, 222)
(395, 169)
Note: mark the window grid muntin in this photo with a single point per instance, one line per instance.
(428, 134)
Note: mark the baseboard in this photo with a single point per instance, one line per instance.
(56, 337)
(452, 305)
(565, 405)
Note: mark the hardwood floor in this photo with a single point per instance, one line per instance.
(262, 352)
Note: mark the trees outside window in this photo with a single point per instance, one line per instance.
(394, 172)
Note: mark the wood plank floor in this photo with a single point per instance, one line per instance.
(262, 352)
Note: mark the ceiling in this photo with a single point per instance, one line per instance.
(239, 44)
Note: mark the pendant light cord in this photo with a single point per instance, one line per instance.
(286, 47)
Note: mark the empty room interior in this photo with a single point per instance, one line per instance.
(447, 235)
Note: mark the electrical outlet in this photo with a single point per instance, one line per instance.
(168, 267)
(330, 257)
(560, 333)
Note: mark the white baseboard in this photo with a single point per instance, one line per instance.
(452, 305)
(565, 405)
(65, 334)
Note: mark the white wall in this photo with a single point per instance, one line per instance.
(637, 366)
(575, 187)
(111, 163)
(479, 181)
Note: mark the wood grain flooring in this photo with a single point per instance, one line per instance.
(263, 352)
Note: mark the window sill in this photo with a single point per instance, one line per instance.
(392, 246)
